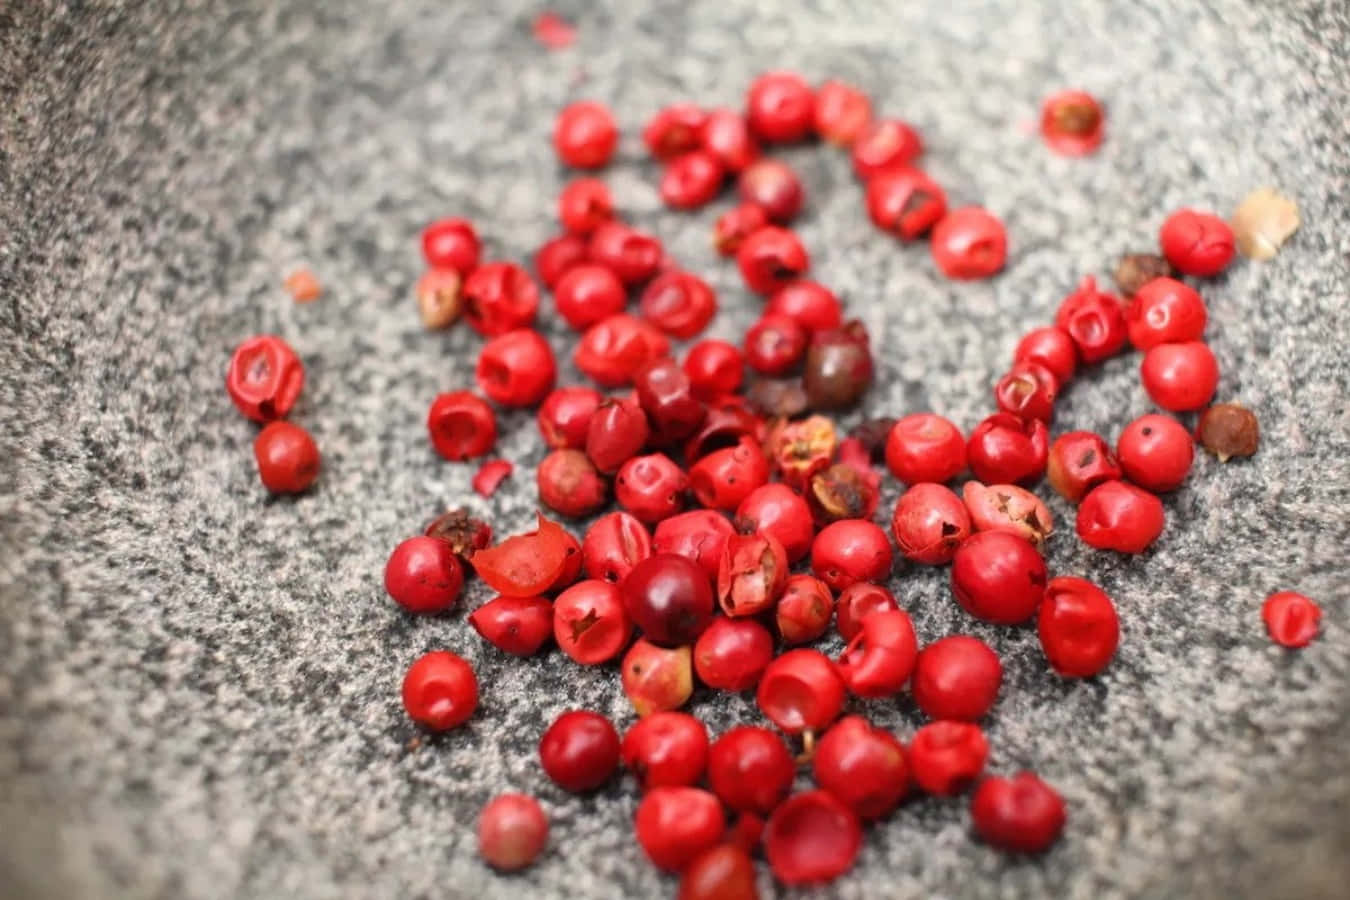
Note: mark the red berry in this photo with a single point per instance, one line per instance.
(905, 202)
(1051, 347)
(584, 205)
(589, 293)
(579, 751)
(569, 483)
(618, 432)
(571, 569)
(1078, 627)
(778, 510)
(667, 397)
(1079, 461)
(849, 551)
(656, 678)
(499, 297)
(811, 838)
(1155, 452)
(857, 602)
(780, 107)
(946, 757)
(862, 765)
(727, 423)
(1028, 391)
(800, 691)
(770, 258)
(555, 258)
(1120, 516)
(838, 366)
(666, 749)
(1292, 620)
(732, 653)
(774, 187)
(1006, 450)
(612, 350)
(584, 135)
(1180, 377)
(925, 447)
(613, 546)
(590, 623)
(440, 691)
(750, 769)
(775, 345)
(1022, 813)
(930, 522)
(735, 225)
(884, 145)
(725, 872)
(691, 180)
(515, 625)
(1007, 507)
(679, 303)
(957, 677)
(842, 112)
(725, 477)
(751, 574)
(526, 565)
(1072, 123)
(969, 243)
(674, 130)
(669, 598)
(461, 425)
(698, 535)
(512, 832)
(879, 659)
(651, 487)
(565, 416)
(1094, 320)
(423, 575)
(264, 378)
(633, 255)
(451, 244)
(675, 825)
(1197, 243)
(287, 457)
(998, 577)
(1165, 311)
(726, 135)
(813, 306)
(516, 368)
(715, 368)
(804, 610)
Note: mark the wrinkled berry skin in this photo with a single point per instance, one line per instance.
(613, 545)
(651, 487)
(569, 483)
(724, 478)
(968, 244)
(618, 431)
(805, 609)
(905, 202)
(751, 574)
(264, 378)
(771, 258)
(1095, 321)
(565, 416)
(778, 510)
(1197, 243)
(930, 522)
(1051, 347)
(699, 535)
(1007, 507)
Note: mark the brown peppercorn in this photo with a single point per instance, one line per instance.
(1228, 430)
(841, 492)
(1137, 269)
(461, 531)
(438, 298)
(778, 399)
(872, 434)
(838, 367)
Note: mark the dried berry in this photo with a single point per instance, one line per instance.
(462, 532)
(1264, 220)
(1229, 430)
(838, 367)
(1137, 269)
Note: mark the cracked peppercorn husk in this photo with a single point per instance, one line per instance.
(872, 434)
(1229, 430)
(1263, 221)
(461, 531)
(1137, 269)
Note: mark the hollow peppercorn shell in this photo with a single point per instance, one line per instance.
(1007, 507)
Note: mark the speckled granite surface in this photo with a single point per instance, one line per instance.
(198, 685)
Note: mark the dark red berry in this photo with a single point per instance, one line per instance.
(925, 447)
(998, 577)
(1006, 450)
(679, 303)
(440, 691)
(1197, 243)
(770, 258)
(727, 136)
(732, 653)
(584, 205)
(691, 180)
(669, 598)
(1095, 321)
(751, 574)
(1051, 347)
(1165, 311)
(880, 657)
(1229, 430)
(862, 765)
(774, 187)
(579, 751)
(849, 551)
(462, 532)
(264, 378)
(735, 225)
(838, 366)
(1120, 516)
(555, 258)
(699, 535)
(780, 107)
(800, 691)
(674, 130)
(1072, 123)
(1027, 391)
(287, 457)
(929, 524)
(666, 749)
(842, 112)
(617, 433)
(610, 351)
(1180, 377)
(499, 297)
(667, 397)
(857, 602)
(956, 677)
(804, 610)
(584, 135)
(515, 625)
(969, 243)
(905, 202)
(778, 510)
(565, 416)
(812, 838)
(1155, 452)
(1022, 813)
(750, 769)
(1079, 461)
(512, 832)
(845, 490)
(633, 255)
(451, 244)
(423, 575)
(1078, 627)
(461, 425)
(1137, 269)
(1292, 620)
(724, 478)
(884, 145)
(516, 368)
(715, 368)
(590, 623)
(569, 483)
(946, 757)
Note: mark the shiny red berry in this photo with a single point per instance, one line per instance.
(732, 654)
(998, 577)
(929, 523)
(1027, 391)
(512, 832)
(1051, 347)
(837, 369)
(770, 258)
(657, 678)
(666, 395)
(1291, 619)
(669, 598)
(633, 255)
(588, 293)
(451, 244)
(584, 205)
(569, 483)
(778, 510)
(715, 368)
(956, 677)
(1095, 321)
(812, 838)
(1079, 461)
(613, 545)
(862, 765)
(565, 416)
(1072, 123)
(775, 345)
(812, 305)
(946, 757)
(423, 575)
(858, 601)
(590, 623)
(579, 751)
(584, 135)
(774, 187)
(612, 350)
(666, 749)
(725, 872)
(674, 130)
(1007, 507)
(1180, 377)
(724, 478)
(849, 551)
(461, 425)
(679, 303)
(880, 658)
(1120, 516)
(905, 202)
(750, 769)
(1022, 813)
(699, 535)
(735, 225)
(780, 107)
(287, 457)
(1165, 311)
(969, 243)
(651, 487)
(499, 297)
(515, 625)
(1006, 450)
(553, 260)
(800, 691)
(675, 825)
(516, 368)
(1155, 452)
(883, 145)
(925, 447)
(804, 610)
(264, 378)
(1197, 243)
(691, 180)
(726, 135)
(440, 691)
(1078, 627)
(842, 112)
(618, 432)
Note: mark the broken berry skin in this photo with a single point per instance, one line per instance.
(905, 202)
(613, 545)
(569, 484)
(968, 244)
(1079, 461)
(264, 378)
(879, 659)
(771, 258)
(1291, 619)
(1095, 321)
(462, 532)
(1072, 123)
(515, 625)
(929, 524)
(699, 535)
(843, 491)
(856, 602)
(490, 475)
(1120, 516)
(946, 757)
(798, 450)
(800, 691)
(590, 623)
(1006, 450)
(752, 574)
(1051, 347)
(1007, 507)
(1229, 430)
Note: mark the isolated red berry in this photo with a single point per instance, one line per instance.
(929, 523)
(264, 378)
(1079, 461)
(461, 425)
(1197, 243)
(726, 135)
(584, 204)
(801, 690)
(925, 447)
(691, 180)
(780, 107)
(512, 832)
(715, 368)
(423, 575)
(841, 112)
(946, 757)
(1051, 347)
(732, 653)
(811, 838)
(669, 598)
(1078, 627)
(499, 297)
(1022, 813)
(451, 244)
(1095, 321)
(287, 457)
(884, 145)
(1180, 377)
(774, 187)
(674, 130)
(778, 510)
(584, 135)
(880, 658)
(1292, 620)
(862, 765)
(969, 243)
(1165, 311)
(858, 601)
(440, 691)
(770, 258)
(515, 625)
(679, 303)
(849, 551)
(998, 577)
(666, 749)
(1006, 450)
(904, 202)
(590, 623)
(1120, 516)
(956, 677)
(699, 535)
(612, 350)
(557, 256)
(565, 416)
(1072, 123)
(579, 751)
(1155, 452)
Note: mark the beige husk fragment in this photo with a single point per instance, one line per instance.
(1263, 221)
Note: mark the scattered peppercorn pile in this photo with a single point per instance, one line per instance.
(745, 525)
